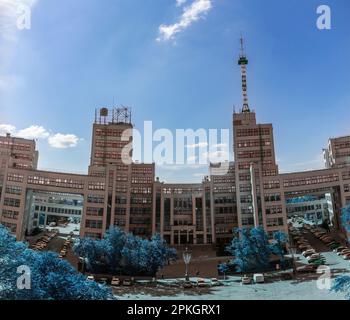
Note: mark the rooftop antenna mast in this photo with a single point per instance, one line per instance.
(243, 62)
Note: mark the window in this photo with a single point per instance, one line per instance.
(10, 202)
(13, 190)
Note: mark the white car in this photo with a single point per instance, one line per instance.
(308, 251)
(215, 282)
(246, 280)
(201, 283)
(259, 278)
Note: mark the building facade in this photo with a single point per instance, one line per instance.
(117, 191)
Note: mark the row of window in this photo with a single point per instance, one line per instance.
(274, 210)
(224, 200)
(15, 146)
(13, 190)
(272, 197)
(110, 144)
(141, 180)
(274, 222)
(224, 210)
(10, 214)
(63, 211)
(253, 132)
(94, 212)
(311, 180)
(272, 184)
(58, 182)
(109, 132)
(253, 143)
(11, 202)
(93, 224)
(141, 190)
(15, 177)
(95, 199)
(226, 220)
(254, 154)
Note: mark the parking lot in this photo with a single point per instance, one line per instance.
(303, 287)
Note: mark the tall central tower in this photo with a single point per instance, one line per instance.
(254, 154)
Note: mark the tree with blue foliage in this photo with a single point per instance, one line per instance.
(252, 251)
(223, 268)
(115, 240)
(125, 253)
(342, 283)
(158, 254)
(95, 253)
(278, 245)
(345, 218)
(50, 278)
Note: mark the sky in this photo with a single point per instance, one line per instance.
(174, 62)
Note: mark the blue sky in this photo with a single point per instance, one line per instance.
(82, 54)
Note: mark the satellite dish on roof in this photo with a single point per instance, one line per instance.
(104, 112)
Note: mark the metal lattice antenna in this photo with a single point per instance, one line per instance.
(243, 62)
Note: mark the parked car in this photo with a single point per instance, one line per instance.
(319, 261)
(103, 280)
(91, 278)
(308, 254)
(215, 282)
(341, 248)
(259, 278)
(346, 256)
(246, 280)
(187, 285)
(306, 269)
(127, 282)
(201, 283)
(342, 252)
(312, 251)
(115, 282)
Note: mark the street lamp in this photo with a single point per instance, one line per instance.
(293, 251)
(187, 258)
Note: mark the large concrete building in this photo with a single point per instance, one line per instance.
(117, 191)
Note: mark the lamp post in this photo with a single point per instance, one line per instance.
(187, 258)
(293, 251)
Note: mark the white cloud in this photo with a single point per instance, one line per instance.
(33, 133)
(179, 3)
(191, 13)
(220, 146)
(63, 141)
(7, 128)
(197, 145)
(216, 156)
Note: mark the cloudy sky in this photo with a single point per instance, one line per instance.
(174, 62)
